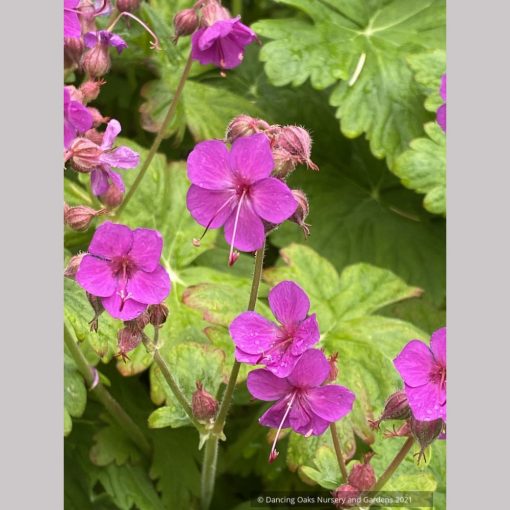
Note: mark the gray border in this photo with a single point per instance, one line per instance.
(31, 256)
(478, 253)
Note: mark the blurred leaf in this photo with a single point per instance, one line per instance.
(428, 68)
(423, 168)
(326, 472)
(383, 101)
(75, 394)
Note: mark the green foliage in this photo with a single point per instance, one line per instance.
(75, 394)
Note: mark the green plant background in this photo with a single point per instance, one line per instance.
(374, 266)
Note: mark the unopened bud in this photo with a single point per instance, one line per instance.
(112, 197)
(96, 62)
(301, 212)
(244, 125)
(73, 51)
(84, 154)
(333, 368)
(128, 5)
(425, 432)
(362, 475)
(213, 12)
(97, 305)
(396, 408)
(204, 405)
(185, 23)
(73, 265)
(139, 322)
(79, 218)
(94, 136)
(128, 338)
(90, 89)
(297, 143)
(97, 117)
(284, 163)
(346, 496)
(157, 314)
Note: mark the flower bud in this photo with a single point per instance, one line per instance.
(362, 476)
(113, 196)
(426, 432)
(301, 212)
(139, 322)
(128, 338)
(333, 368)
(94, 136)
(96, 62)
(185, 23)
(73, 265)
(79, 218)
(346, 496)
(297, 143)
(73, 51)
(90, 89)
(396, 408)
(213, 12)
(244, 125)
(157, 314)
(203, 403)
(84, 154)
(97, 305)
(97, 117)
(87, 17)
(128, 5)
(284, 163)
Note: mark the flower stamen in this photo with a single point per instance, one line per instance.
(232, 257)
(274, 453)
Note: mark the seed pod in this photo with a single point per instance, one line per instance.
(79, 218)
(128, 338)
(396, 408)
(157, 314)
(204, 405)
(96, 62)
(425, 432)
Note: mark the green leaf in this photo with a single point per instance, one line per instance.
(326, 472)
(428, 68)
(423, 168)
(337, 37)
(75, 394)
(360, 212)
(188, 362)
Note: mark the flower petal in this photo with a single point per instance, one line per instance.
(146, 249)
(427, 402)
(330, 402)
(252, 333)
(96, 277)
(441, 117)
(90, 39)
(289, 302)
(79, 116)
(242, 34)
(415, 363)
(438, 346)
(244, 357)
(149, 288)
(249, 234)
(116, 180)
(121, 157)
(306, 335)
(112, 130)
(72, 26)
(272, 200)
(251, 158)
(99, 181)
(280, 361)
(311, 370)
(219, 29)
(208, 165)
(110, 240)
(274, 415)
(208, 207)
(130, 309)
(263, 385)
(118, 43)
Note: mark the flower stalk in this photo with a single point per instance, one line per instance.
(104, 396)
(338, 451)
(159, 137)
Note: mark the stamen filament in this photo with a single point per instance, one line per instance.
(197, 241)
(274, 453)
(231, 257)
(154, 44)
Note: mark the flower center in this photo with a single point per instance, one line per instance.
(438, 375)
(123, 269)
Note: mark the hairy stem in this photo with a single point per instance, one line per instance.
(172, 383)
(338, 451)
(103, 395)
(159, 137)
(211, 445)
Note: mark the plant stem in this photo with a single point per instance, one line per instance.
(229, 391)
(159, 137)
(172, 383)
(104, 396)
(209, 471)
(401, 455)
(237, 7)
(338, 451)
(211, 445)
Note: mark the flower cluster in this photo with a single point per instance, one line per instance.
(296, 375)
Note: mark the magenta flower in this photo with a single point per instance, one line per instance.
(441, 111)
(72, 27)
(423, 370)
(122, 268)
(234, 189)
(302, 403)
(77, 119)
(222, 44)
(260, 341)
(104, 38)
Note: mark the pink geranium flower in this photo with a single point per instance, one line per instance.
(122, 267)
(301, 402)
(279, 347)
(72, 26)
(77, 119)
(222, 44)
(423, 370)
(234, 189)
